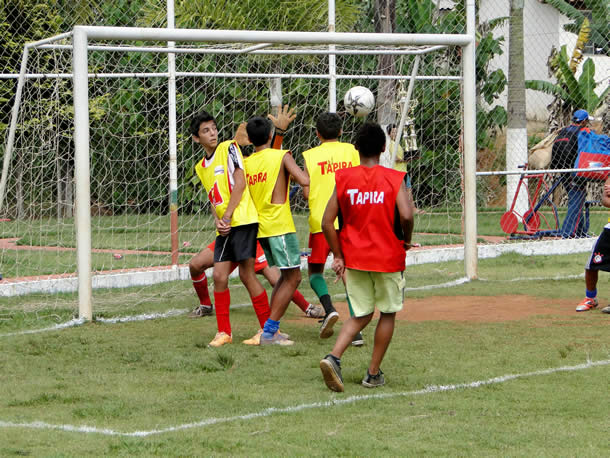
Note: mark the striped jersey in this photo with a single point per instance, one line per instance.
(216, 175)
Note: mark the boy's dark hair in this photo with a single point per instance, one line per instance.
(204, 116)
(258, 129)
(389, 128)
(370, 140)
(329, 125)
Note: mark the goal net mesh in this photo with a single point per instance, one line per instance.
(129, 160)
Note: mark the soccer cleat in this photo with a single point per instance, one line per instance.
(358, 340)
(277, 339)
(373, 381)
(331, 371)
(202, 310)
(255, 339)
(314, 311)
(326, 330)
(606, 309)
(220, 339)
(587, 304)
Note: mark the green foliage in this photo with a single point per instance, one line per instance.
(129, 156)
(574, 93)
(21, 21)
(305, 15)
(600, 20)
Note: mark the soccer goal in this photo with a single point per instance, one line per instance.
(98, 181)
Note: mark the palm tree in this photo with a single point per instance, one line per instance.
(516, 138)
(385, 22)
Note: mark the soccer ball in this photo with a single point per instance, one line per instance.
(359, 101)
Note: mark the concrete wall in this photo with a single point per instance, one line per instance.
(543, 29)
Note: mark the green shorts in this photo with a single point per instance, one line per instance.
(282, 250)
(369, 289)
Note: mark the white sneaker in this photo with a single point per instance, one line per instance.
(314, 311)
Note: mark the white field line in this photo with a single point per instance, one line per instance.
(335, 401)
(413, 257)
(121, 319)
(556, 277)
(449, 284)
(172, 313)
(78, 322)
(57, 327)
(142, 317)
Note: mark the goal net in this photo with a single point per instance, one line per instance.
(134, 187)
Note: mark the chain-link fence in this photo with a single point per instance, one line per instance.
(557, 34)
(566, 66)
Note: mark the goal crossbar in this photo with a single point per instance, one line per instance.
(264, 37)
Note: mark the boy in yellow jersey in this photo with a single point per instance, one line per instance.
(221, 172)
(599, 260)
(268, 173)
(400, 163)
(321, 163)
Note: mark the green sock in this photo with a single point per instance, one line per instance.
(318, 284)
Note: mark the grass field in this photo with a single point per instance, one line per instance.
(531, 385)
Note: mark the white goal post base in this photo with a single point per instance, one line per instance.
(414, 257)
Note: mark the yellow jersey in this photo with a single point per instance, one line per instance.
(216, 175)
(322, 162)
(400, 154)
(262, 170)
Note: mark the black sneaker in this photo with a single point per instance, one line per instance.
(326, 330)
(373, 381)
(202, 310)
(331, 371)
(358, 340)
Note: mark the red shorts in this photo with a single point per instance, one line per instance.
(319, 248)
(260, 261)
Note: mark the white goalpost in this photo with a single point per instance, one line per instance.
(81, 113)
(246, 69)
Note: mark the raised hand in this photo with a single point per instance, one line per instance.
(284, 117)
(241, 136)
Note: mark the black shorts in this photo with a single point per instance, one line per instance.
(238, 246)
(600, 254)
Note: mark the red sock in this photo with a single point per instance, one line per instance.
(201, 288)
(300, 300)
(223, 301)
(261, 307)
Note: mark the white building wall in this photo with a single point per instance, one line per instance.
(543, 29)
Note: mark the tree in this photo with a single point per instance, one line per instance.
(516, 135)
(570, 92)
(304, 15)
(600, 21)
(385, 22)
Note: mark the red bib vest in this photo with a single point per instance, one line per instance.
(367, 200)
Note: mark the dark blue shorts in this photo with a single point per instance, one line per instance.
(600, 254)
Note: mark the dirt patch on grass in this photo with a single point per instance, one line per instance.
(482, 309)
